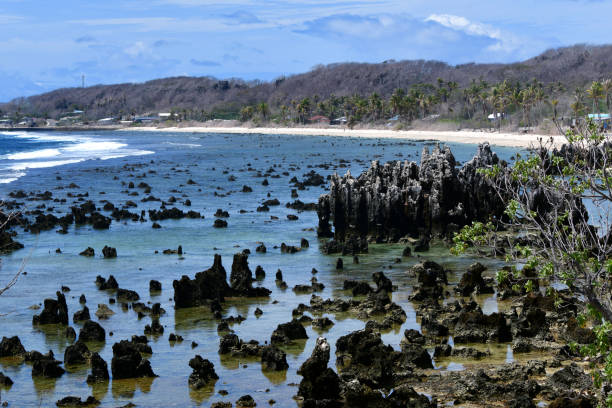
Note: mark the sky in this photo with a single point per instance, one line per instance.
(49, 44)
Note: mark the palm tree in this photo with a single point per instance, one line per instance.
(263, 110)
(303, 109)
(375, 106)
(554, 103)
(606, 87)
(595, 92)
(397, 100)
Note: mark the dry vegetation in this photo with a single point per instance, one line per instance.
(344, 87)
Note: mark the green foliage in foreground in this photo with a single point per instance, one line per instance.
(553, 234)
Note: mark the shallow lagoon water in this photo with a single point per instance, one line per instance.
(208, 160)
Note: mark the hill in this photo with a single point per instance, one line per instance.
(570, 66)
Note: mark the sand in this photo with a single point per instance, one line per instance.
(475, 137)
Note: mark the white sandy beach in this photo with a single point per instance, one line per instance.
(499, 139)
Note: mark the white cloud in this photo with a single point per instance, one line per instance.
(505, 42)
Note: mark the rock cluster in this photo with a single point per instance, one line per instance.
(396, 199)
(203, 372)
(127, 361)
(54, 311)
(211, 284)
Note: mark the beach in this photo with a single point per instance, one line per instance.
(471, 136)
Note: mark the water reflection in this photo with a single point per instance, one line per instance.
(126, 388)
(203, 394)
(44, 387)
(99, 389)
(275, 377)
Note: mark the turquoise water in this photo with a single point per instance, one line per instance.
(169, 160)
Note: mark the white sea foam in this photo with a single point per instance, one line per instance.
(36, 154)
(74, 148)
(127, 154)
(43, 164)
(45, 137)
(12, 177)
(93, 146)
(183, 144)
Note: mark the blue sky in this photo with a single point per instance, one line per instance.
(47, 44)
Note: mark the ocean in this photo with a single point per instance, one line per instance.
(210, 170)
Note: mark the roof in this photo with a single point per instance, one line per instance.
(599, 116)
(319, 118)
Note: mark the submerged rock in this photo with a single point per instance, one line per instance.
(78, 353)
(274, 359)
(203, 372)
(5, 380)
(99, 369)
(71, 401)
(287, 332)
(54, 311)
(109, 252)
(47, 367)
(92, 331)
(208, 285)
(241, 278)
(128, 363)
(11, 347)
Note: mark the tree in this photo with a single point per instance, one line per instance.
(606, 87)
(397, 100)
(303, 110)
(595, 92)
(263, 110)
(561, 241)
(246, 113)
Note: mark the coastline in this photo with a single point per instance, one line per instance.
(498, 139)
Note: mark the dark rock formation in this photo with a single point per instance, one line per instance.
(92, 331)
(211, 285)
(208, 285)
(109, 252)
(286, 332)
(472, 280)
(88, 252)
(389, 201)
(476, 327)
(11, 347)
(383, 284)
(81, 315)
(320, 384)
(203, 372)
(219, 223)
(231, 344)
(47, 366)
(54, 312)
(241, 278)
(357, 288)
(99, 369)
(566, 402)
(155, 286)
(5, 380)
(103, 284)
(274, 359)
(127, 295)
(71, 402)
(78, 353)
(362, 355)
(128, 363)
(246, 401)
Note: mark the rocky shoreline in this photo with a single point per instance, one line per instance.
(416, 205)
